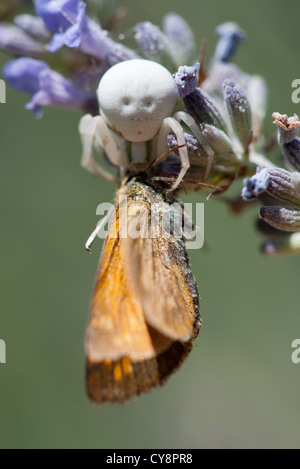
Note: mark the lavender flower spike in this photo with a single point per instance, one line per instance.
(180, 36)
(256, 185)
(231, 35)
(17, 42)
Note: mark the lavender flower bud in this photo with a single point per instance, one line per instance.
(196, 101)
(291, 153)
(192, 143)
(282, 246)
(115, 52)
(268, 230)
(218, 141)
(281, 186)
(180, 36)
(154, 43)
(197, 154)
(281, 218)
(277, 182)
(256, 185)
(221, 144)
(296, 181)
(186, 79)
(231, 35)
(33, 26)
(203, 109)
(257, 93)
(15, 41)
(221, 71)
(238, 109)
(288, 127)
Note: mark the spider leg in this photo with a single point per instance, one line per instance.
(96, 231)
(94, 132)
(172, 124)
(191, 123)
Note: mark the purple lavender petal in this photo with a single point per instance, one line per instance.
(58, 15)
(87, 35)
(71, 36)
(56, 90)
(23, 73)
(95, 41)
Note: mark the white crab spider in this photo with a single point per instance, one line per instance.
(136, 98)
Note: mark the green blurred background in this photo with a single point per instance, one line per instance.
(239, 387)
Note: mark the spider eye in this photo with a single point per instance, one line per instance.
(148, 101)
(126, 101)
(135, 96)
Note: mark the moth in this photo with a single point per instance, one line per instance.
(145, 306)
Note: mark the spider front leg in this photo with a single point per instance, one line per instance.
(172, 124)
(94, 132)
(191, 123)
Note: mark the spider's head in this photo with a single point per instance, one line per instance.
(135, 97)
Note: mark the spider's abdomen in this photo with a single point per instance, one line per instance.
(135, 96)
